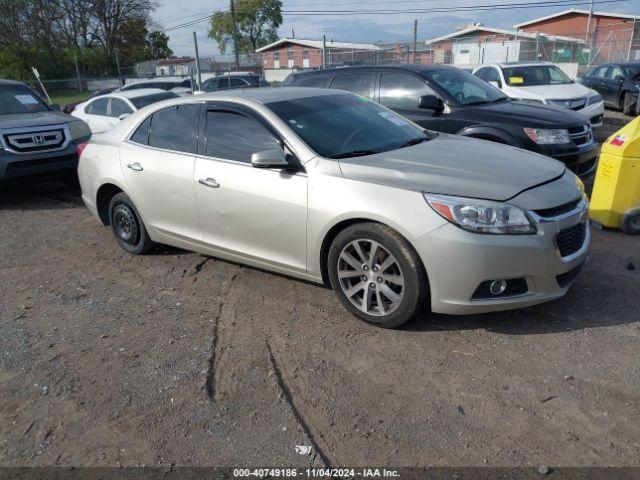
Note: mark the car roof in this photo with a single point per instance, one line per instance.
(524, 64)
(10, 82)
(406, 67)
(136, 92)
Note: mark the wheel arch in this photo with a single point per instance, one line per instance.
(492, 134)
(103, 196)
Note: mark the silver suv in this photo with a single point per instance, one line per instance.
(35, 139)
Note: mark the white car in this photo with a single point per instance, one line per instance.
(106, 111)
(545, 83)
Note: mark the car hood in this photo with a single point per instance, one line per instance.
(521, 113)
(454, 165)
(38, 119)
(552, 92)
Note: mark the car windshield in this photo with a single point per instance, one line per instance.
(632, 71)
(347, 125)
(462, 87)
(145, 100)
(19, 99)
(535, 75)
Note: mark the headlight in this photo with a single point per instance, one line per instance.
(481, 216)
(544, 136)
(595, 99)
(79, 130)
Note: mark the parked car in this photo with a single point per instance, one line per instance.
(447, 99)
(178, 85)
(618, 83)
(333, 188)
(36, 139)
(70, 107)
(546, 83)
(105, 112)
(229, 82)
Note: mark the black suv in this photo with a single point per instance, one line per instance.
(450, 100)
(618, 83)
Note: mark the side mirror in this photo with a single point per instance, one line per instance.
(55, 107)
(495, 84)
(272, 158)
(123, 116)
(431, 102)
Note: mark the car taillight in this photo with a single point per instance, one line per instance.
(81, 148)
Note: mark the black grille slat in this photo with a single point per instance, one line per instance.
(570, 240)
(559, 210)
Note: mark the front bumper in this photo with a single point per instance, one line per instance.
(581, 160)
(593, 113)
(458, 261)
(44, 165)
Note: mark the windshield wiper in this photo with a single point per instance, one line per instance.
(353, 153)
(414, 141)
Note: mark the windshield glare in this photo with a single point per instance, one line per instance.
(462, 87)
(335, 125)
(145, 100)
(19, 99)
(535, 75)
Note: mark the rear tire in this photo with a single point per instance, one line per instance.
(630, 223)
(127, 226)
(629, 104)
(377, 275)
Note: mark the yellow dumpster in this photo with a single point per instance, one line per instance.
(615, 201)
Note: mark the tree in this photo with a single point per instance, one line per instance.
(257, 22)
(158, 46)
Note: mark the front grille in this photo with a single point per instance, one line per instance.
(570, 240)
(36, 141)
(570, 103)
(581, 135)
(566, 278)
(559, 210)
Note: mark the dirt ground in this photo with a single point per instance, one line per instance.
(175, 358)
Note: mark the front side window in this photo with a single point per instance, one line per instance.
(98, 107)
(402, 90)
(462, 87)
(313, 80)
(19, 99)
(632, 70)
(345, 125)
(234, 136)
(119, 107)
(238, 83)
(614, 73)
(598, 72)
(175, 128)
(359, 83)
(535, 75)
(493, 76)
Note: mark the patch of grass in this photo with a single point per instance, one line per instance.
(65, 98)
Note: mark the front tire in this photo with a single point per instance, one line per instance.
(377, 274)
(127, 226)
(630, 223)
(629, 104)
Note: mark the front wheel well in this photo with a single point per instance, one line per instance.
(105, 193)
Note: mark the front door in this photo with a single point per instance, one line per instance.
(157, 163)
(253, 212)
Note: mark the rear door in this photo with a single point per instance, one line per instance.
(614, 79)
(254, 212)
(401, 91)
(157, 163)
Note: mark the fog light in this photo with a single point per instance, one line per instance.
(497, 287)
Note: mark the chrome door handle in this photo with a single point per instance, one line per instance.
(136, 167)
(209, 182)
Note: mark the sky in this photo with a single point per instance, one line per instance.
(360, 28)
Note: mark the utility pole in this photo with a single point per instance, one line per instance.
(75, 60)
(324, 52)
(198, 74)
(415, 41)
(235, 33)
(118, 65)
(587, 36)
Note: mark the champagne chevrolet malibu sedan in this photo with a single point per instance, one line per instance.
(333, 188)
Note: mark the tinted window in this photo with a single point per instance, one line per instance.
(402, 90)
(462, 87)
(234, 136)
(99, 107)
(223, 83)
(614, 72)
(141, 135)
(345, 125)
(19, 99)
(482, 73)
(119, 107)
(599, 72)
(175, 128)
(210, 85)
(632, 70)
(493, 76)
(319, 81)
(238, 83)
(359, 83)
(145, 100)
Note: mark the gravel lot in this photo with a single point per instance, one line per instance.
(176, 358)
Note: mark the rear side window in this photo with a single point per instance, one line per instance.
(234, 136)
(359, 83)
(98, 107)
(141, 135)
(175, 128)
(119, 107)
(402, 90)
(318, 81)
(238, 83)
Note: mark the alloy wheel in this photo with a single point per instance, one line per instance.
(370, 277)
